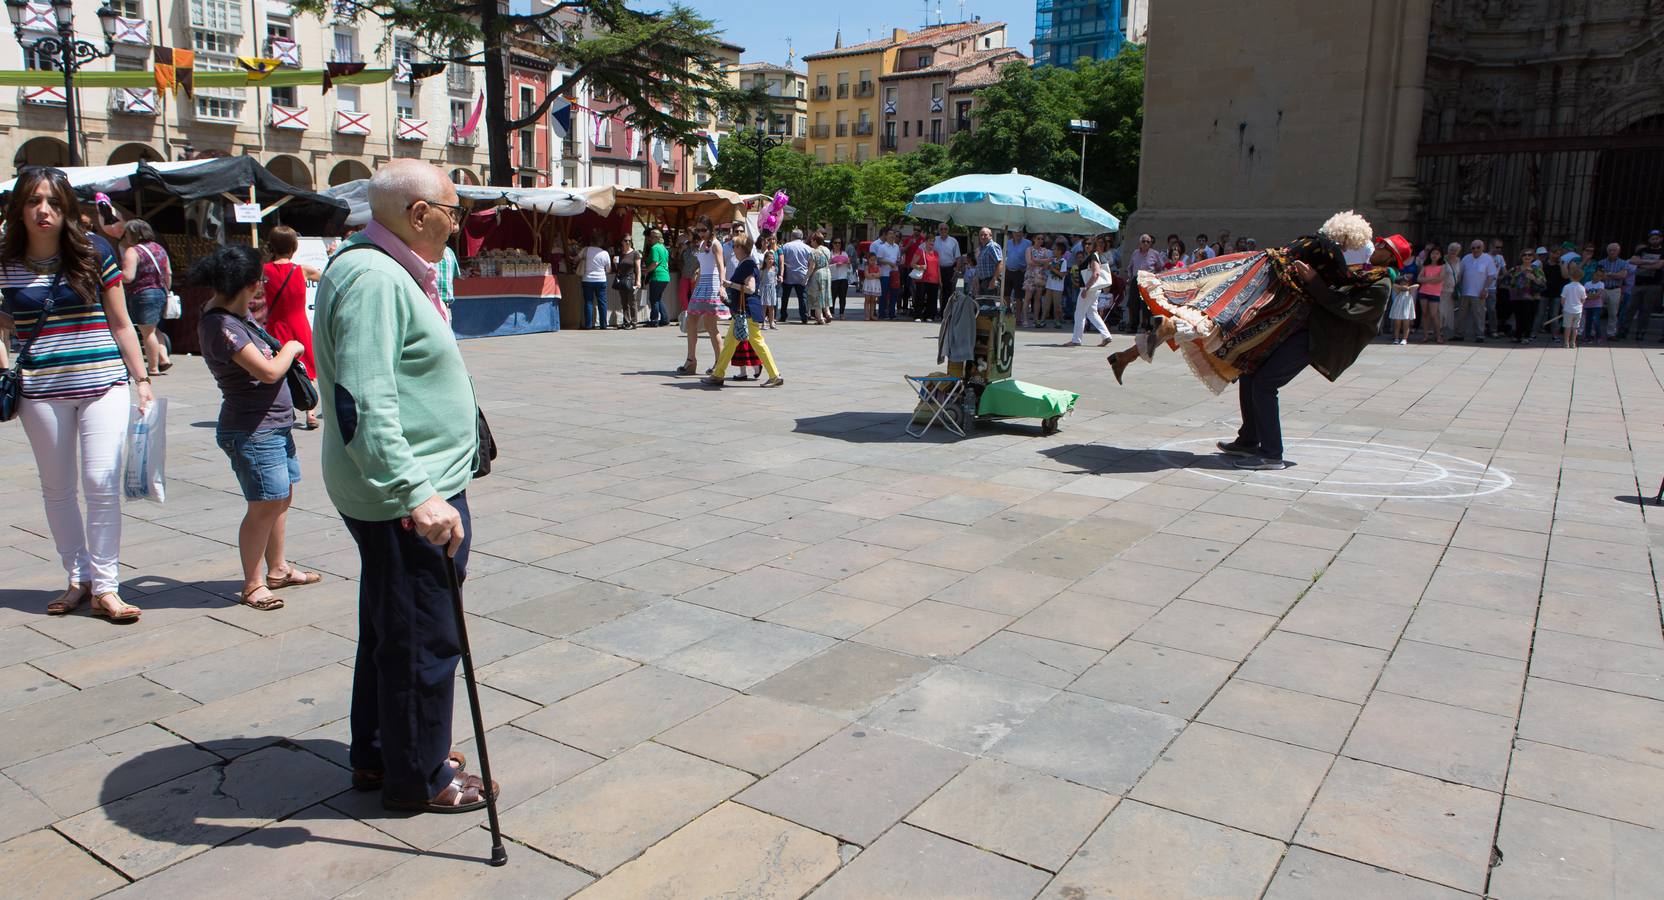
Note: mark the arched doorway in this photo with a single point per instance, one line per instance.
(348, 170)
(132, 153)
(464, 176)
(292, 171)
(42, 151)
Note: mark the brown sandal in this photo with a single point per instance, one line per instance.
(264, 604)
(114, 609)
(70, 600)
(372, 779)
(292, 577)
(465, 794)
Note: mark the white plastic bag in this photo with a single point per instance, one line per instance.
(144, 475)
(175, 308)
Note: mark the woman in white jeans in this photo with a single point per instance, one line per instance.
(1097, 276)
(75, 375)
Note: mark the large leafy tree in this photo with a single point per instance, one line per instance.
(664, 65)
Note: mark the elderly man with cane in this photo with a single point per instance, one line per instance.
(397, 465)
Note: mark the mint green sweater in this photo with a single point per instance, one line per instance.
(390, 370)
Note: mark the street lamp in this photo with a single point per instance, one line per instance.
(65, 51)
(761, 141)
(1082, 127)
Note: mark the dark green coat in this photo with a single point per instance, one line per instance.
(1343, 321)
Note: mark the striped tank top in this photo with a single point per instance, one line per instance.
(76, 355)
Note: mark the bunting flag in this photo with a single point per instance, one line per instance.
(173, 70)
(601, 131)
(421, 70)
(560, 117)
(712, 140)
(334, 70)
(258, 67)
(473, 118)
(635, 143)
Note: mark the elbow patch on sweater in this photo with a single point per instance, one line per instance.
(346, 414)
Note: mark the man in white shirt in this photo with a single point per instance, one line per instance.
(597, 266)
(1478, 281)
(889, 256)
(947, 256)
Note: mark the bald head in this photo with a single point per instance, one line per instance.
(415, 201)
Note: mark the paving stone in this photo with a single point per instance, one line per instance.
(1004, 591)
(607, 558)
(487, 595)
(958, 509)
(1159, 679)
(856, 784)
(1599, 785)
(43, 865)
(1314, 666)
(21, 644)
(21, 812)
(1089, 741)
(836, 559)
(243, 667)
(1204, 628)
(27, 731)
(146, 832)
(450, 871)
(552, 672)
(1305, 720)
(1409, 528)
(1255, 592)
(529, 546)
(1350, 619)
(1092, 621)
(1376, 550)
(833, 615)
(902, 533)
(667, 576)
(612, 717)
(1077, 550)
(755, 734)
(605, 816)
(756, 591)
(604, 526)
(731, 851)
(848, 679)
(656, 631)
(1135, 582)
(1027, 816)
(929, 628)
(78, 778)
(1309, 875)
(1601, 554)
(746, 653)
(1405, 822)
(1215, 527)
(1609, 665)
(1619, 618)
(1134, 853)
(1491, 684)
(1051, 663)
(965, 552)
(1595, 721)
(1178, 552)
(1447, 742)
(1551, 852)
(125, 656)
(248, 721)
(908, 862)
(696, 531)
(22, 684)
(962, 709)
(899, 583)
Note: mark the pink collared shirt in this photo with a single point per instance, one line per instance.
(425, 273)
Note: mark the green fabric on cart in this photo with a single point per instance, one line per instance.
(1019, 399)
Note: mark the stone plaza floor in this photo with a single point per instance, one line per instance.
(759, 643)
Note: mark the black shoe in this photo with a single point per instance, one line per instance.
(1261, 464)
(1232, 448)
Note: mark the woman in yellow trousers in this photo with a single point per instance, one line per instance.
(748, 319)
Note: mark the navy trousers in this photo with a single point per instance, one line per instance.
(786, 291)
(408, 649)
(1262, 423)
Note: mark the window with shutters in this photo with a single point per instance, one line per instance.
(223, 16)
(216, 51)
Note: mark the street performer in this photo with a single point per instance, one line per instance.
(1259, 318)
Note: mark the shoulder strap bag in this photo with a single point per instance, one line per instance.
(485, 449)
(11, 379)
(302, 392)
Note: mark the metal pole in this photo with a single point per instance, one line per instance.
(66, 54)
(1081, 185)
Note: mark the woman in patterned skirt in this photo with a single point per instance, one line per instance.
(706, 306)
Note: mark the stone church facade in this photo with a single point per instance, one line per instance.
(1530, 120)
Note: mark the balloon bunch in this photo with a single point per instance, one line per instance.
(776, 211)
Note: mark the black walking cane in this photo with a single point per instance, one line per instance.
(499, 856)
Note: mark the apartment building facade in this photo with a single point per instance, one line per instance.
(920, 104)
(304, 135)
(1066, 31)
(787, 88)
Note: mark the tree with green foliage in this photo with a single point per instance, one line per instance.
(664, 65)
(881, 190)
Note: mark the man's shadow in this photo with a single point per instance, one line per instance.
(1105, 459)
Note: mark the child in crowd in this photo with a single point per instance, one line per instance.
(1572, 299)
(770, 288)
(870, 288)
(1053, 301)
(1594, 304)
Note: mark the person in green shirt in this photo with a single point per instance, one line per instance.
(447, 269)
(658, 277)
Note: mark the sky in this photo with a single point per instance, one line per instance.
(763, 28)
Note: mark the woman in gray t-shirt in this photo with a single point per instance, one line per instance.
(256, 415)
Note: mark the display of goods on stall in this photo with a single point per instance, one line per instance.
(507, 263)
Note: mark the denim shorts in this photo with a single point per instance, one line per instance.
(146, 306)
(264, 462)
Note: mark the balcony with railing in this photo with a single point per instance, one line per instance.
(887, 143)
(823, 92)
(843, 130)
(459, 79)
(456, 138)
(862, 129)
(843, 90)
(820, 132)
(864, 89)
(962, 123)
(133, 101)
(291, 118)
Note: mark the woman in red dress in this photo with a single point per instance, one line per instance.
(286, 299)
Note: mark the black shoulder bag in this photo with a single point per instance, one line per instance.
(302, 393)
(485, 449)
(11, 379)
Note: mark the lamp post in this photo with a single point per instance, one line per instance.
(64, 51)
(761, 141)
(1082, 127)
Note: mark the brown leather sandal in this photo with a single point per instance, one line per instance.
(292, 577)
(373, 779)
(109, 606)
(465, 794)
(264, 604)
(70, 600)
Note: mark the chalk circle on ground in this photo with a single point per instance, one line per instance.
(1345, 468)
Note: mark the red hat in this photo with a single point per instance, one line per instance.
(1400, 247)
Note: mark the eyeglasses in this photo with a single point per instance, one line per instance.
(454, 210)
